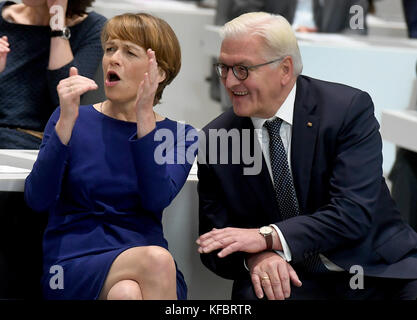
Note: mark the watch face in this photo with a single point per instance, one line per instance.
(66, 33)
(266, 230)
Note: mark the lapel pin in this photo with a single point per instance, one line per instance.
(309, 124)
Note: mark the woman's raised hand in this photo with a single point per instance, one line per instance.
(69, 92)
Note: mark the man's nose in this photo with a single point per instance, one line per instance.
(231, 79)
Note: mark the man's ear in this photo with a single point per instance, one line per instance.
(287, 70)
(162, 75)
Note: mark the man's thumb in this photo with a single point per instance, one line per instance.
(73, 71)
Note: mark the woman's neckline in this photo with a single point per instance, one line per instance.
(119, 120)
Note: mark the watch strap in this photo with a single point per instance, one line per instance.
(64, 33)
(56, 33)
(268, 239)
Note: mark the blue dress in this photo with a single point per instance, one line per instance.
(105, 192)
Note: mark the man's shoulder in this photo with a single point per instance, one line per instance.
(329, 94)
(327, 86)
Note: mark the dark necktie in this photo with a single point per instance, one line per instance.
(284, 186)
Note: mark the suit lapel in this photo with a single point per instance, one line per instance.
(303, 141)
(261, 183)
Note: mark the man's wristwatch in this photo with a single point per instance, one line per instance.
(267, 232)
(64, 33)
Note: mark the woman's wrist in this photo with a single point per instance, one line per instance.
(146, 121)
(68, 118)
(63, 129)
(147, 115)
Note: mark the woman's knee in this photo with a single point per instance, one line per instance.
(158, 260)
(125, 290)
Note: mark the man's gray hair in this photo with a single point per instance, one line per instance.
(278, 35)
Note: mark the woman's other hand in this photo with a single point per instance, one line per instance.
(4, 50)
(148, 86)
(146, 95)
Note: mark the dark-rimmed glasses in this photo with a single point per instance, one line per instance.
(241, 72)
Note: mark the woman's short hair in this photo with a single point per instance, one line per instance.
(77, 7)
(152, 32)
(278, 35)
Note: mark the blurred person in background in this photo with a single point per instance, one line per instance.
(38, 46)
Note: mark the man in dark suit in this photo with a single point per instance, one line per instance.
(318, 221)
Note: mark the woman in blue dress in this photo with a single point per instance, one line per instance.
(105, 172)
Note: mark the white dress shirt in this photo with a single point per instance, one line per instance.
(286, 113)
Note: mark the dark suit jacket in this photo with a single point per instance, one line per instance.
(347, 213)
(329, 15)
(403, 177)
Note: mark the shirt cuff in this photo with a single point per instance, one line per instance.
(286, 253)
(246, 266)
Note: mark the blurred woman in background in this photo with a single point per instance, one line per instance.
(38, 46)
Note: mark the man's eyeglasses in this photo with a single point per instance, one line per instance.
(241, 72)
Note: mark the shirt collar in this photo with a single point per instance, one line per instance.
(285, 112)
